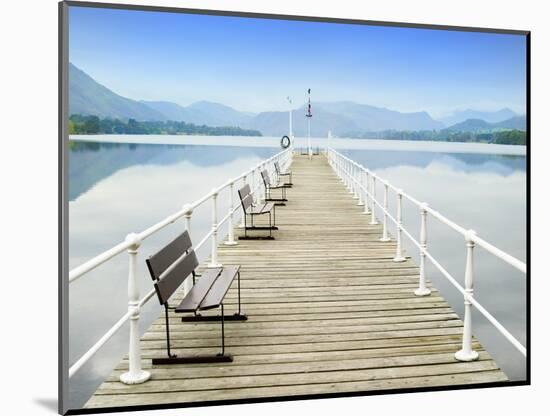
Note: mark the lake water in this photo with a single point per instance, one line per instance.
(123, 187)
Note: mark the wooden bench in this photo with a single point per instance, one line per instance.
(281, 174)
(304, 151)
(268, 187)
(169, 268)
(249, 208)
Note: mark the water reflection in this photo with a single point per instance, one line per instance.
(90, 162)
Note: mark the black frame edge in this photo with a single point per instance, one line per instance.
(257, 15)
(528, 206)
(63, 210)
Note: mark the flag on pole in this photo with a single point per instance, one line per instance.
(308, 114)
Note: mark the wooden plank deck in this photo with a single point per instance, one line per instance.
(329, 312)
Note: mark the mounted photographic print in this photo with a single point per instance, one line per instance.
(266, 207)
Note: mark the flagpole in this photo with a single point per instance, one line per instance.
(309, 115)
(290, 120)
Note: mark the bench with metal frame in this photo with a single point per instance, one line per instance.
(281, 174)
(169, 268)
(252, 209)
(268, 187)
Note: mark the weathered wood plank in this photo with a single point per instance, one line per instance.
(298, 390)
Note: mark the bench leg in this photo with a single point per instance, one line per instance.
(266, 237)
(174, 359)
(286, 184)
(254, 227)
(170, 355)
(223, 333)
(198, 359)
(239, 291)
(214, 318)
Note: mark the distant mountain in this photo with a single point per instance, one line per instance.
(371, 118)
(488, 116)
(220, 114)
(342, 118)
(88, 97)
(475, 125)
(518, 123)
(275, 123)
(201, 112)
(169, 110)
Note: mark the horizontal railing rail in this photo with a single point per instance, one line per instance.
(133, 241)
(361, 182)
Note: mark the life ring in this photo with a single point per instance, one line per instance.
(285, 142)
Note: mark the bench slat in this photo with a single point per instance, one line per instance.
(218, 290)
(279, 171)
(166, 286)
(192, 301)
(160, 261)
(246, 197)
(264, 209)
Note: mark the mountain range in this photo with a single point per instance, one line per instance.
(476, 124)
(488, 116)
(88, 97)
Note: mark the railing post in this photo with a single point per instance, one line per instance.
(253, 187)
(187, 283)
(467, 353)
(214, 238)
(399, 250)
(230, 236)
(354, 181)
(359, 186)
(187, 217)
(350, 177)
(367, 184)
(346, 172)
(385, 237)
(135, 374)
(422, 289)
(241, 225)
(373, 220)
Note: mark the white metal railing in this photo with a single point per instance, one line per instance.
(361, 182)
(132, 242)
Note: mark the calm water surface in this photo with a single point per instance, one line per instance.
(118, 188)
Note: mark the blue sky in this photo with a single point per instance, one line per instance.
(253, 64)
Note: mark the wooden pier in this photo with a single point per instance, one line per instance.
(329, 313)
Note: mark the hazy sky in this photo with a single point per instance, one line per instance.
(253, 64)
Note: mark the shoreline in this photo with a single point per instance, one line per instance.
(337, 143)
